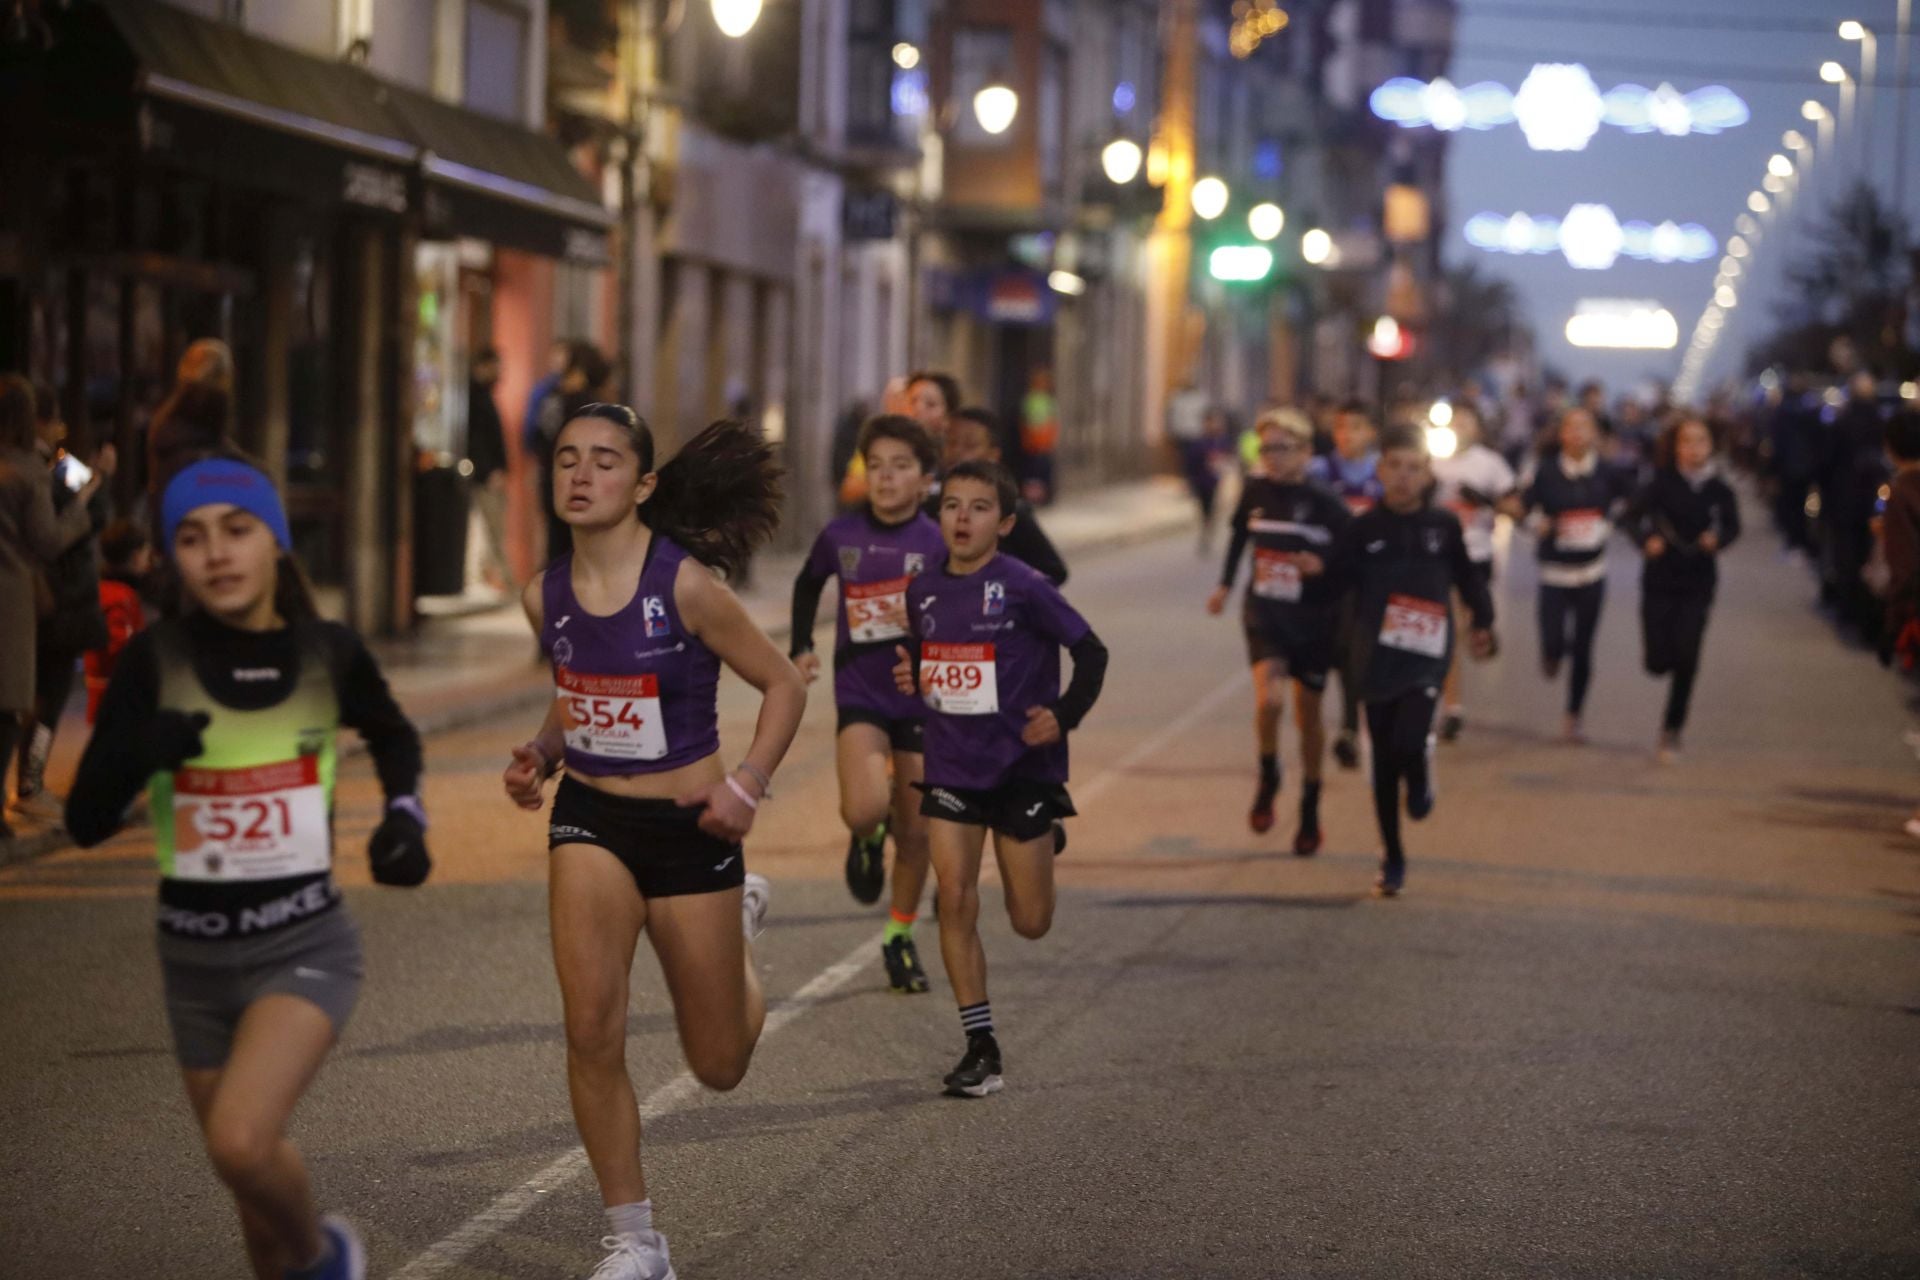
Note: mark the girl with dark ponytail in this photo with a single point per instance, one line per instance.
(647, 822)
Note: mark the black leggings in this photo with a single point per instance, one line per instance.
(1579, 606)
(1402, 734)
(1349, 658)
(1673, 624)
(52, 684)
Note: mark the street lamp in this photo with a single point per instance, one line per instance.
(1758, 202)
(1266, 220)
(1316, 247)
(1869, 59)
(1121, 160)
(1209, 198)
(995, 106)
(736, 17)
(1725, 298)
(1779, 166)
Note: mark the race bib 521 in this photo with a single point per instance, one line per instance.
(260, 823)
(959, 679)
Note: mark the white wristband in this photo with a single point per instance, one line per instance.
(746, 797)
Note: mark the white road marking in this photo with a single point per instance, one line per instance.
(512, 1205)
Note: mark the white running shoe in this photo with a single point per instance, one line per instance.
(634, 1257)
(755, 897)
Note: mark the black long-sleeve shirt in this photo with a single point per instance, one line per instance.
(1680, 512)
(247, 671)
(1403, 568)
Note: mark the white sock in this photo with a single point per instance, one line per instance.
(631, 1219)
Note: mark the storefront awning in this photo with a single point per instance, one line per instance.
(462, 172)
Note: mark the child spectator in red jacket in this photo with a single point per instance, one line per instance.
(127, 559)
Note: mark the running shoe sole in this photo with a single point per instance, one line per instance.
(1260, 820)
(991, 1085)
(1306, 845)
(866, 871)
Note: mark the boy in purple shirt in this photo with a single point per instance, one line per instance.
(987, 635)
(876, 552)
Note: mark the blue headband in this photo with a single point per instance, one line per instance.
(224, 480)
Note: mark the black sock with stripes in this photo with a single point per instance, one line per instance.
(977, 1019)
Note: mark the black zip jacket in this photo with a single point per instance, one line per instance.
(1674, 509)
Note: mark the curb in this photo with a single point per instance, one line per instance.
(474, 710)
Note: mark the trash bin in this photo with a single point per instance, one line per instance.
(439, 531)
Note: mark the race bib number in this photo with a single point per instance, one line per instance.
(613, 717)
(1358, 503)
(1275, 576)
(1582, 530)
(959, 679)
(251, 824)
(877, 610)
(1415, 626)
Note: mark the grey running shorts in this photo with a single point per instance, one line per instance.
(209, 984)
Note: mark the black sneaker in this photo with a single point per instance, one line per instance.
(904, 973)
(1346, 749)
(1260, 817)
(1307, 841)
(1450, 726)
(1392, 879)
(1420, 803)
(979, 1071)
(867, 866)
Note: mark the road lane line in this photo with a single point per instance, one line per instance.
(512, 1205)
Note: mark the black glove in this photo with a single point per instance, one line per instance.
(397, 851)
(172, 739)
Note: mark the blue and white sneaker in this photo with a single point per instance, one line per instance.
(346, 1256)
(634, 1257)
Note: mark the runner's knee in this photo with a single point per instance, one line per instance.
(241, 1150)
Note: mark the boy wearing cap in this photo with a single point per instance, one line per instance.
(1289, 614)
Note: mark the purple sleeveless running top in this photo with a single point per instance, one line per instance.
(637, 689)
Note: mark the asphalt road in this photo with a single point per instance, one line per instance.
(1627, 1021)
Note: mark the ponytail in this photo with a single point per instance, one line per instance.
(719, 497)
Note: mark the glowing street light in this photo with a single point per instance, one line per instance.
(1758, 202)
(1121, 159)
(1833, 73)
(1779, 166)
(1747, 227)
(1773, 185)
(1730, 267)
(1209, 198)
(1441, 414)
(735, 17)
(1266, 220)
(995, 106)
(1316, 247)
(1811, 110)
(1725, 297)
(1442, 441)
(905, 56)
(1794, 140)
(1851, 30)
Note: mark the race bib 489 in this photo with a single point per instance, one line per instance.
(959, 679)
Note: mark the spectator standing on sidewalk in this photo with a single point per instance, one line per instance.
(1187, 425)
(126, 568)
(1900, 543)
(1852, 470)
(31, 533)
(487, 451)
(1039, 437)
(70, 620)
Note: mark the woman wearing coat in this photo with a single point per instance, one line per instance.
(31, 534)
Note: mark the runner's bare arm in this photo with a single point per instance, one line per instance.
(714, 614)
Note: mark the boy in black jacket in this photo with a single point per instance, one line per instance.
(1683, 518)
(1403, 560)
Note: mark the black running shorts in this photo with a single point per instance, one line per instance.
(1019, 808)
(902, 734)
(659, 843)
(1307, 653)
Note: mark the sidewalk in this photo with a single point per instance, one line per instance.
(457, 671)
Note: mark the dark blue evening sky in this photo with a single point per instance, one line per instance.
(1763, 44)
